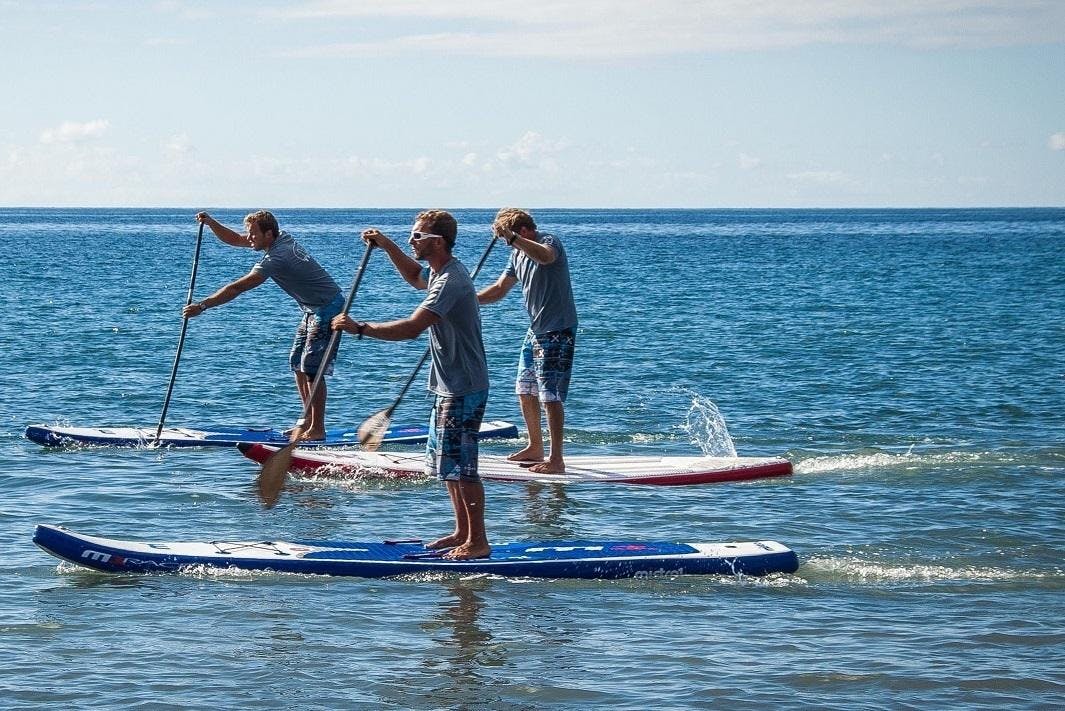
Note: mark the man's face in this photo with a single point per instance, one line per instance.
(255, 236)
(422, 242)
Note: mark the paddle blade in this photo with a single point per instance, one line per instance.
(272, 476)
(373, 430)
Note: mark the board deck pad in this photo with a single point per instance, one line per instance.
(615, 469)
(546, 559)
(60, 436)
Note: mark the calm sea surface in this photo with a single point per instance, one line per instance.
(910, 363)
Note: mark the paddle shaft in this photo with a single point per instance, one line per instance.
(425, 356)
(181, 339)
(335, 337)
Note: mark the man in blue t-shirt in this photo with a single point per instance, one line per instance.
(458, 375)
(302, 278)
(538, 261)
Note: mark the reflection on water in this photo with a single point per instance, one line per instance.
(465, 646)
(545, 509)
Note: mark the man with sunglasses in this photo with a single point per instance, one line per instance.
(286, 262)
(538, 261)
(458, 376)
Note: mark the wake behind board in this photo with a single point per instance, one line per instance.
(541, 559)
(58, 436)
(660, 471)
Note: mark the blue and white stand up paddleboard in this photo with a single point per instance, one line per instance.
(541, 559)
(59, 436)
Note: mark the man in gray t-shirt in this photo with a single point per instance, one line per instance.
(302, 278)
(458, 376)
(538, 261)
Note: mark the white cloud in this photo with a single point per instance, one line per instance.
(178, 148)
(380, 166)
(531, 150)
(185, 10)
(821, 177)
(73, 132)
(166, 42)
(1057, 141)
(748, 162)
(604, 29)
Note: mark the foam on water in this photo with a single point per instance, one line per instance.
(892, 460)
(850, 569)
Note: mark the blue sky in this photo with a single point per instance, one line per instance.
(583, 103)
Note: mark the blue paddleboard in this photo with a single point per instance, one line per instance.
(543, 559)
(61, 436)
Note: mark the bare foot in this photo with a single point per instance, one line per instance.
(312, 434)
(468, 552)
(549, 467)
(529, 454)
(298, 426)
(446, 542)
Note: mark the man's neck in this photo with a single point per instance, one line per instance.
(438, 261)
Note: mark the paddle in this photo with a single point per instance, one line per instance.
(272, 476)
(181, 339)
(373, 429)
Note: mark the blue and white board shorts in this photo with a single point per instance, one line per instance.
(454, 427)
(312, 338)
(546, 364)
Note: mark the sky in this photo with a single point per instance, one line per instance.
(560, 103)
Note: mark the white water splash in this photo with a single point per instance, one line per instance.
(706, 427)
(883, 460)
(863, 571)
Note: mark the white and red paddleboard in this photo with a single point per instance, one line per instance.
(618, 469)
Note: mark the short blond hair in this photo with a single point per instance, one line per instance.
(514, 219)
(264, 220)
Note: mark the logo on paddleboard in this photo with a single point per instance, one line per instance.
(101, 557)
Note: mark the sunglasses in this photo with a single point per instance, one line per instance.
(423, 235)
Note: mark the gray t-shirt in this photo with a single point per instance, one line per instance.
(459, 366)
(546, 287)
(296, 271)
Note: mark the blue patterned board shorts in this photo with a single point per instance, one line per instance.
(545, 364)
(451, 453)
(312, 338)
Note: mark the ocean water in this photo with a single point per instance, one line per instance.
(910, 363)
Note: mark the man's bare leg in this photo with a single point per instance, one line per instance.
(462, 521)
(471, 498)
(530, 412)
(556, 418)
(314, 424)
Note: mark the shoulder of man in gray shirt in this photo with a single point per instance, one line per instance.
(546, 288)
(297, 273)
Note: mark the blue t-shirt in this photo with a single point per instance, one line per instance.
(297, 273)
(459, 366)
(546, 288)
